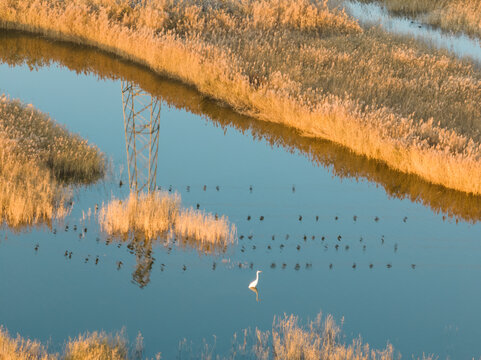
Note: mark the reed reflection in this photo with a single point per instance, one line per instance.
(18, 48)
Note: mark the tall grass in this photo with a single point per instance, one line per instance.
(158, 214)
(37, 160)
(88, 346)
(20, 48)
(297, 63)
(450, 15)
(288, 339)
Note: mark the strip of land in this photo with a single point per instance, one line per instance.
(38, 160)
(298, 63)
(450, 15)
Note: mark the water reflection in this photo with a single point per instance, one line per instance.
(18, 48)
(258, 299)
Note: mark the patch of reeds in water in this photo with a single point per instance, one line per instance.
(159, 214)
(383, 96)
(89, 346)
(449, 15)
(38, 158)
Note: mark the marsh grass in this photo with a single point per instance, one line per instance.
(159, 215)
(37, 160)
(298, 63)
(19, 48)
(450, 15)
(88, 346)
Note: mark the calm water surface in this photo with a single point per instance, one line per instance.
(433, 308)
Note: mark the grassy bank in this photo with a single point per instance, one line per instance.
(450, 15)
(296, 63)
(288, 339)
(38, 159)
(158, 214)
(19, 49)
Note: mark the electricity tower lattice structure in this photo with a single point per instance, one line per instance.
(142, 123)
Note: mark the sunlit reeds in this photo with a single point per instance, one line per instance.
(298, 63)
(450, 15)
(159, 214)
(36, 164)
(89, 346)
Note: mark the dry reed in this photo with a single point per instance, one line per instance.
(20, 48)
(298, 63)
(36, 163)
(450, 15)
(158, 214)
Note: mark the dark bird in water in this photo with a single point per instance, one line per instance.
(305, 237)
(282, 246)
(250, 237)
(360, 239)
(389, 266)
(66, 227)
(382, 239)
(120, 183)
(284, 265)
(251, 265)
(261, 218)
(205, 187)
(185, 267)
(66, 253)
(86, 259)
(85, 230)
(405, 219)
(217, 188)
(253, 247)
(297, 267)
(413, 266)
(308, 265)
(248, 217)
(198, 206)
(54, 231)
(323, 238)
(250, 188)
(269, 247)
(347, 247)
(240, 265)
(96, 260)
(339, 237)
(241, 237)
(36, 247)
(330, 266)
(336, 218)
(214, 265)
(119, 264)
(370, 266)
(287, 236)
(354, 265)
(364, 248)
(273, 237)
(188, 188)
(376, 219)
(70, 255)
(273, 265)
(298, 247)
(293, 189)
(337, 246)
(354, 218)
(75, 228)
(242, 249)
(300, 217)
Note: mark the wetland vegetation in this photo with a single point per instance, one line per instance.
(382, 96)
(449, 15)
(38, 160)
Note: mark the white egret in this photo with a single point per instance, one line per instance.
(254, 283)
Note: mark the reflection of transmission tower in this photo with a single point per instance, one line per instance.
(142, 122)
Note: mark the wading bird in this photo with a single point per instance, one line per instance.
(254, 283)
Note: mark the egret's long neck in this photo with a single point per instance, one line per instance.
(257, 277)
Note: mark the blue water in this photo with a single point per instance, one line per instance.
(433, 308)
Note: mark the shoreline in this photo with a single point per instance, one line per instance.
(352, 129)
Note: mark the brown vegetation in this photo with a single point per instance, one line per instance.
(297, 63)
(450, 15)
(158, 214)
(19, 48)
(288, 340)
(37, 159)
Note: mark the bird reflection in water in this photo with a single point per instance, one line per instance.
(253, 289)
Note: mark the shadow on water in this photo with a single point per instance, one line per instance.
(18, 48)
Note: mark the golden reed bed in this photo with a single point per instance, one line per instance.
(18, 48)
(159, 214)
(38, 159)
(287, 340)
(298, 63)
(450, 15)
